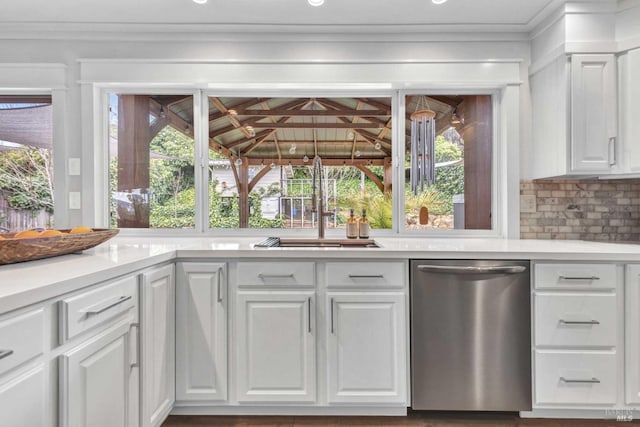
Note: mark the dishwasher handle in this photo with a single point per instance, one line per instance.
(467, 269)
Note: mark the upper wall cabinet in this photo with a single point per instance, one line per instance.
(629, 70)
(574, 104)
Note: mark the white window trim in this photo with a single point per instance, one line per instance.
(391, 78)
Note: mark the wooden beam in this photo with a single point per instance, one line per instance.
(261, 173)
(244, 104)
(316, 125)
(306, 113)
(374, 103)
(325, 162)
(372, 176)
(243, 192)
(221, 107)
(25, 99)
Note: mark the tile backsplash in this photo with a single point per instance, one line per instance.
(602, 210)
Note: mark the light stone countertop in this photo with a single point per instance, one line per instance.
(26, 283)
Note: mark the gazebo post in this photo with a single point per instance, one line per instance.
(243, 192)
(134, 140)
(387, 175)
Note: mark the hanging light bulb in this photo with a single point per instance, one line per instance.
(238, 162)
(305, 159)
(358, 153)
(350, 135)
(251, 131)
(162, 113)
(292, 150)
(378, 146)
(272, 165)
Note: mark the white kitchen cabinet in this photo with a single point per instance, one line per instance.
(275, 344)
(201, 331)
(632, 338)
(23, 398)
(574, 112)
(157, 338)
(576, 320)
(629, 70)
(95, 380)
(594, 116)
(366, 347)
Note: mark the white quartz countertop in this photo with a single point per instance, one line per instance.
(26, 283)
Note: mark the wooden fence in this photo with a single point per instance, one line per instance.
(18, 219)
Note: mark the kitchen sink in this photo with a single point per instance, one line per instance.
(278, 242)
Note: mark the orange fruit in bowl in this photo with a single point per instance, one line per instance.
(2, 238)
(26, 234)
(50, 233)
(80, 229)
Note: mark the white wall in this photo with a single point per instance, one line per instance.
(275, 49)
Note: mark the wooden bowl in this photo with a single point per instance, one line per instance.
(18, 250)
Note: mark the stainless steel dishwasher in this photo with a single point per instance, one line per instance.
(470, 335)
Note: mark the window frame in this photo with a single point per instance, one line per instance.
(500, 78)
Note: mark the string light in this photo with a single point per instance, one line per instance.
(305, 159)
(378, 146)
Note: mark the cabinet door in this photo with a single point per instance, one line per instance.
(201, 332)
(95, 381)
(629, 67)
(366, 348)
(275, 347)
(593, 112)
(22, 399)
(157, 330)
(632, 338)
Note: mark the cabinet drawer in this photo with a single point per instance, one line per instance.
(366, 274)
(276, 274)
(575, 320)
(575, 378)
(575, 276)
(21, 338)
(89, 309)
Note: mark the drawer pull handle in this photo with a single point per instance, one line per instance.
(276, 276)
(569, 381)
(467, 269)
(579, 322)
(332, 328)
(5, 353)
(219, 284)
(579, 278)
(107, 306)
(366, 276)
(309, 315)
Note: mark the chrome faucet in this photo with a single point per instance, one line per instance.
(317, 198)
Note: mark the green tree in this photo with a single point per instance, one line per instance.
(26, 178)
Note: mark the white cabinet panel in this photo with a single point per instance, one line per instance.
(158, 345)
(201, 332)
(22, 399)
(21, 338)
(365, 346)
(593, 112)
(95, 381)
(568, 378)
(275, 340)
(632, 338)
(630, 109)
(574, 276)
(575, 320)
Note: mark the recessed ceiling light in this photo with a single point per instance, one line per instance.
(200, 1)
(316, 2)
(432, 1)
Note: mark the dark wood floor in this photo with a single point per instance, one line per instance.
(413, 419)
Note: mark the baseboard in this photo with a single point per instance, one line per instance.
(291, 410)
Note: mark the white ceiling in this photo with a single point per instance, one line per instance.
(508, 15)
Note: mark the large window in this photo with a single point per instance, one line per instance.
(26, 162)
(151, 166)
(258, 155)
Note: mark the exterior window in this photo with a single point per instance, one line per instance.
(460, 196)
(261, 152)
(151, 167)
(26, 162)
